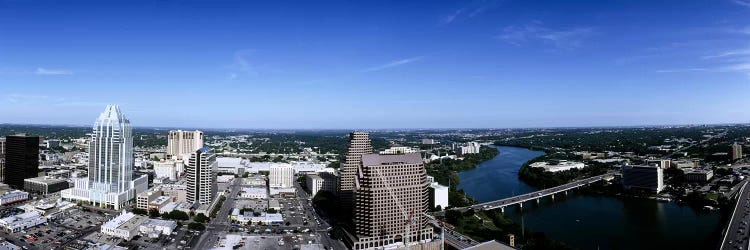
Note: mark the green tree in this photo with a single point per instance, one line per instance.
(179, 215)
(196, 226)
(153, 213)
(200, 218)
(140, 211)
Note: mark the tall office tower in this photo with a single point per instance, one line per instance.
(201, 176)
(281, 176)
(2, 159)
(110, 181)
(736, 151)
(359, 145)
(390, 201)
(180, 144)
(21, 159)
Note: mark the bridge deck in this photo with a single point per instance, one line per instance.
(538, 194)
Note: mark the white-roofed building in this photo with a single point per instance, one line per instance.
(22, 221)
(13, 197)
(254, 193)
(169, 207)
(124, 226)
(154, 227)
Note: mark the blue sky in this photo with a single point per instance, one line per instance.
(376, 64)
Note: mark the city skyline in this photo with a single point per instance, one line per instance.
(343, 65)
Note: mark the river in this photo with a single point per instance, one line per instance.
(592, 222)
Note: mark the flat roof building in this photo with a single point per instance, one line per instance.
(44, 185)
(643, 177)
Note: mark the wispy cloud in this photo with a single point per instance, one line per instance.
(242, 64)
(471, 10)
(744, 52)
(745, 3)
(45, 71)
(394, 64)
(536, 32)
(683, 70)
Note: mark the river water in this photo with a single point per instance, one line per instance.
(592, 222)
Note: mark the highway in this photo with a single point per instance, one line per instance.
(536, 195)
(736, 235)
(458, 240)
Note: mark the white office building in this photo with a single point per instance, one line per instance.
(168, 169)
(438, 195)
(254, 193)
(201, 176)
(558, 165)
(181, 144)
(466, 148)
(154, 227)
(323, 181)
(399, 151)
(22, 221)
(281, 176)
(110, 182)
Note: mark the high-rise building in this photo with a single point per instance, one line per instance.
(180, 144)
(323, 181)
(359, 145)
(281, 176)
(643, 177)
(21, 159)
(201, 176)
(110, 181)
(736, 151)
(391, 198)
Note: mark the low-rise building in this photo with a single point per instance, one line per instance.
(557, 166)
(154, 227)
(22, 221)
(44, 185)
(224, 178)
(699, 175)
(274, 204)
(254, 193)
(256, 180)
(169, 207)
(159, 202)
(13, 197)
(176, 191)
(144, 198)
(399, 150)
(124, 226)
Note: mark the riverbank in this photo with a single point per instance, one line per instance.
(578, 219)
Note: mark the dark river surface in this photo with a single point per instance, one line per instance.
(591, 222)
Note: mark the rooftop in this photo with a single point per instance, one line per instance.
(377, 159)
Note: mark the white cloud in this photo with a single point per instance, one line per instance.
(471, 10)
(683, 70)
(394, 64)
(44, 71)
(536, 32)
(733, 53)
(745, 3)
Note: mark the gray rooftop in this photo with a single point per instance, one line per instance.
(377, 159)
